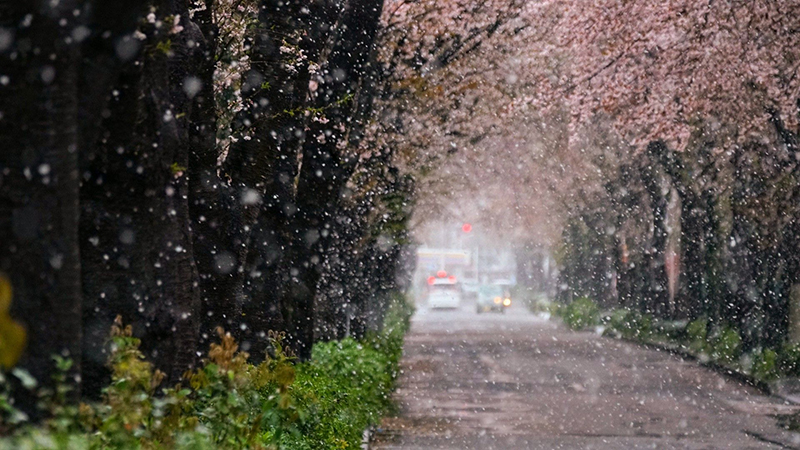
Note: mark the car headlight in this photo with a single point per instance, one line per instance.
(498, 300)
(507, 302)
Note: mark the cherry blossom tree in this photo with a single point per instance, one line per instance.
(688, 94)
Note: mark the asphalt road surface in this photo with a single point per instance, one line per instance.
(519, 381)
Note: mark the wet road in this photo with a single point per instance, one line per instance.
(518, 381)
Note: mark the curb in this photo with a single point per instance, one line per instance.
(760, 385)
(366, 438)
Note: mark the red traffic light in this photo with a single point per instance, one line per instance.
(466, 228)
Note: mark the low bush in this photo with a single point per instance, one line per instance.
(764, 364)
(670, 330)
(540, 304)
(697, 336)
(555, 309)
(726, 346)
(723, 345)
(226, 403)
(344, 389)
(789, 359)
(628, 324)
(580, 314)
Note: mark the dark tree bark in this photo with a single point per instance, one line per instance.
(633, 241)
(39, 184)
(693, 297)
(784, 260)
(748, 187)
(656, 254)
(136, 230)
(325, 167)
(106, 53)
(263, 168)
(251, 236)
(210, 201)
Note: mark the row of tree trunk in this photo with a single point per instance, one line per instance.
(695, 233)
(116, 198)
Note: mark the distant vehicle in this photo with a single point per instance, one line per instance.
(491, 297)
(506, 285)
(470, 288)
(444, 293)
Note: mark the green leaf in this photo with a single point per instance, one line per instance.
(27, 380)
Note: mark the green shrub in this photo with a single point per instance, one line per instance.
(345, 388)
(789, 359)
(347, 385)
(389, 340)
(696, 336)
(628, 324)
(764, 365)
(674, 330)
(580, 314)
(227, 403)
(726, 346)
(540, 304)
(555, 309)
(723, 346)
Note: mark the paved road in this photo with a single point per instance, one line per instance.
(518, 381)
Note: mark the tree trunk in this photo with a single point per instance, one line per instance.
(39, 185)
(325, 168)
(656, 254)
(693, 295)
(136, 230)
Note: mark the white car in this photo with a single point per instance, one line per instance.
(444, 293)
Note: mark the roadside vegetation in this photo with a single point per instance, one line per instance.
(717, 345)
(228, 402)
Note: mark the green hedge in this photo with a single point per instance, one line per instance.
(628, 324)
(229, 403)
(579, 314)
